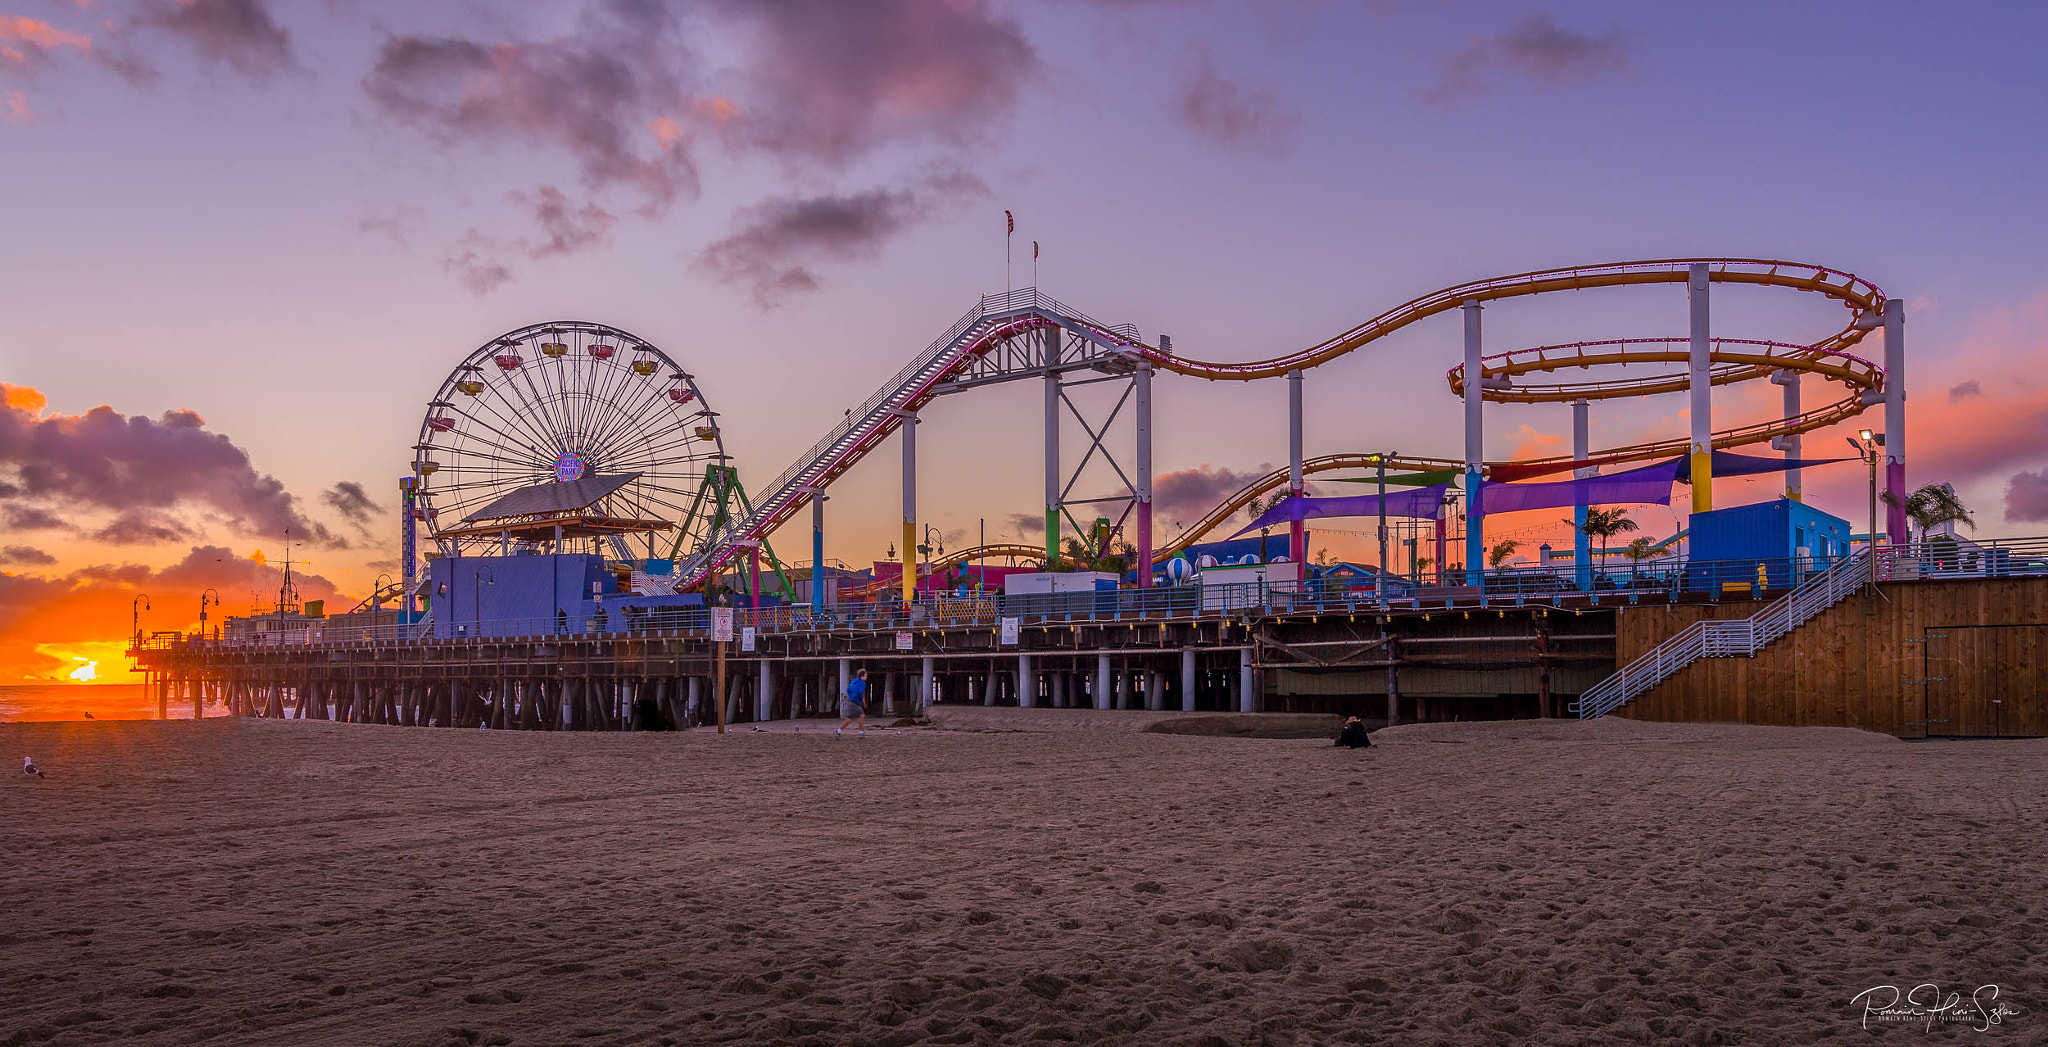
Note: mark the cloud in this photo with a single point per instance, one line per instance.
(568, 227)
(14, 108)
(1026, 523)
(781, 239)
(94, 604)
(1964, 390)
(34, 518)
(1232, 114)
(1530, 442)
(26, 554)
(28, 43)
(2026, 497)
(240, 34)
(103, 460)
(478, 271)
(398, 225)
(1537, 50)
(1183, 496)
(831, 80)
(592, 92)
(140, 527)
(352, 502)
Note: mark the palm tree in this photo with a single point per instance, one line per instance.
(1501, 551)
(1605, 524)
(1638, 551)
(1933, 505)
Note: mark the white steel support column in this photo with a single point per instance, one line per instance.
(1102, 682)
(909, 432)
(1296, 530)
(1143, 378)
(1475, 451)
(1155, 690)
(1788, 378)
(764, 698)
(1187, 680)
(1027, 685)
(1699, 371)
(1895, 419)
(1123, 688)
(1582, 448)
(1051, 350)
(845, 682)
(695, 702)
(924, 687)
(1247, 697)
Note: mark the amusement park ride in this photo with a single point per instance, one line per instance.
(568, 432)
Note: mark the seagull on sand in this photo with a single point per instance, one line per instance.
(28, 767)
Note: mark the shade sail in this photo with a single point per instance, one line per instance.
(1728, 463)
(1648, 485)
(1422, 503)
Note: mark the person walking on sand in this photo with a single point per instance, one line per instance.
(854, 707)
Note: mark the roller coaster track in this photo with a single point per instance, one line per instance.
(998, 317)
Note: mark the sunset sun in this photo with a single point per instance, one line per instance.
(86, 673)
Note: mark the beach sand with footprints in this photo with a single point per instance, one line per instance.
(1018, 876)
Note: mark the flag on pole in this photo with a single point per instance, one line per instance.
(1034, 250)
(1011, 219)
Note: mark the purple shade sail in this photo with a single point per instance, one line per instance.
(1422, 503)
(1728, 463)
(1649, 485)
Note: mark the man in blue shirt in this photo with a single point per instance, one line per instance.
(854, 707)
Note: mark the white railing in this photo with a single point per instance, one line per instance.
(874, 418)
(1731, 638)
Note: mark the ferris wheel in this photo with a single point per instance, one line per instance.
(567, 430)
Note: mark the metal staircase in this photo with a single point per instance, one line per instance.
(1739, 637)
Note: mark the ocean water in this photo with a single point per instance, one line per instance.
(60, 701)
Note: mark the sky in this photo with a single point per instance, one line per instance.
(246, 241)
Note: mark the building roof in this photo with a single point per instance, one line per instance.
(552, 497)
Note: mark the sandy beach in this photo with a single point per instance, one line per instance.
(1019, 876)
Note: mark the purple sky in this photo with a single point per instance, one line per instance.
(294, 219)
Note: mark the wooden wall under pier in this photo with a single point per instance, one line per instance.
(1952, 658)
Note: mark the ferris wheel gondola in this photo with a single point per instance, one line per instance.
(566, 430)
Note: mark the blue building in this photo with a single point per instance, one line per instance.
(1780, 541)
(542, 593)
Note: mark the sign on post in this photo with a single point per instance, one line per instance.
(721, 624)
(747, 638)
(903, 641)
(1009, 629)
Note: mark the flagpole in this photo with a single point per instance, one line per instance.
(1034, 263)
(1009, 234)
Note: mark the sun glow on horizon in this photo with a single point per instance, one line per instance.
(86, 673)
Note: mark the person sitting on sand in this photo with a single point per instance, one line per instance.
(854, 707)
(1353, 734)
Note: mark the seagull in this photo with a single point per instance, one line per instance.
(88, 716)
(28, 767)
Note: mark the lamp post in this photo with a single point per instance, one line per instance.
(477, 581)
(1379, 461)
(136, 607)
(1870, 449)
(215, 593)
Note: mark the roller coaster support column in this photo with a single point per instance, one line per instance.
(1475, 452)
(1296, 530)
(1895, 419)
(1052, 444)
(909, 431)
(1702, 387)
(1789, 443)
(817, 553)
(1143, 378)
(1582, 448)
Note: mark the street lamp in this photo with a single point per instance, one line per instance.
(377, 591)
(1869, 448)
(202, 609)
(1379, 461)
(136, 607)
(477, 581)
